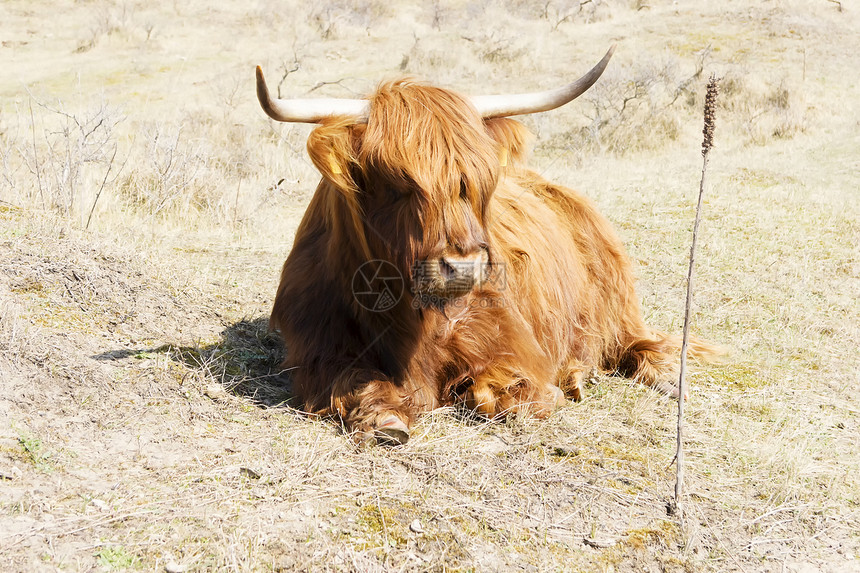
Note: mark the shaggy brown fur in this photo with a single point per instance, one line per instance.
(420, 180)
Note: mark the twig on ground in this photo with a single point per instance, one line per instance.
(102, 186)
(36, 154)
(236, 203)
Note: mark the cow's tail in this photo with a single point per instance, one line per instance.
(697, 348)
(653, 360)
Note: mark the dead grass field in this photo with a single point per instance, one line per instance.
(146, 205)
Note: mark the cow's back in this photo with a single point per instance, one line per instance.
(567, 272)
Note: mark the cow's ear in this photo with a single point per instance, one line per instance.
(513, 138)
(333, 147)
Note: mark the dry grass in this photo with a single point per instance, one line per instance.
(146, 205)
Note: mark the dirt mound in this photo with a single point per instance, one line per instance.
(94, 394)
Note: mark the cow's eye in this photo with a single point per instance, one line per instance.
(392, 193)
(464, 192)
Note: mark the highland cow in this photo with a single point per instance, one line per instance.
(432, 267)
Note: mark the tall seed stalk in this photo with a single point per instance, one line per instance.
(707, 143)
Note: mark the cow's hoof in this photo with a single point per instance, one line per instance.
(391, 432)
(669, 389)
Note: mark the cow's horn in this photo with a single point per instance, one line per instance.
(317, 109)
(519, 104)
(308, 110)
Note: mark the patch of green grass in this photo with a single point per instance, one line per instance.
(735, 377)
(115, 558)
(382, 522)
(563, 453)
(5, 209)
(145, 354)
(761, 178)
(663, 532)
(28, 285)
(34, 452)
(754, 411)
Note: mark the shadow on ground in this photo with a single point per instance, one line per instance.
(245, 361)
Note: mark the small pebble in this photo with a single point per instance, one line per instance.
(249, 473)
(416, 527)
(600, 543)
(215, 391)
(101, 505)
(10, 474)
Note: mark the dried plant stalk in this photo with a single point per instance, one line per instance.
(707, 143)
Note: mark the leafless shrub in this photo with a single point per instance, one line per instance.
(438, 13)
(287, 69)
(494, 47)
(557, 12)
(8, 136)
(232, 158)
(643, 107)
(327, 18)
(764, 110)
(200, 169)
(632, 110)
(107, 20)
(65, 152)
(69, 162)
(170, 169)
(324, 21)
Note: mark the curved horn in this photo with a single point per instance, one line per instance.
(519, 104)
(307, 110)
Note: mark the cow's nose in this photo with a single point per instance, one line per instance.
(461, 273)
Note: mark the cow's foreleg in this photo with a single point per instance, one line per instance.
(570, 379)
(502, 389)
(377, 409)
